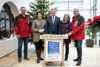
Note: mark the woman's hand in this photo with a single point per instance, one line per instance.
(41, 30)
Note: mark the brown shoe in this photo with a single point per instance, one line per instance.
(19, 60)
(26, 58)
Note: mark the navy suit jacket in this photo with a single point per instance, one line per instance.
(53, 28)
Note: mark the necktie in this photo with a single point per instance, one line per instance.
(53, 19)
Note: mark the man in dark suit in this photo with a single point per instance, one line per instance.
(53, 25)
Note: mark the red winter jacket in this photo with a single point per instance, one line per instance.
(23, 26)
(78, 28)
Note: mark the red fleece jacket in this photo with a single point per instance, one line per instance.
(23, 26)
(78, 28)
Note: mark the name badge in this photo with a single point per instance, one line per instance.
(76, 23)
(28, 21)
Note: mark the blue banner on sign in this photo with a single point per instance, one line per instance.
(53, 47)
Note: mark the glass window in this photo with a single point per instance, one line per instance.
(5, 23)
(7, 16)
(2, 24)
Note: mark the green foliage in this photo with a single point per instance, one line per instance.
(39, 5)
(4, 33)
(91, 32)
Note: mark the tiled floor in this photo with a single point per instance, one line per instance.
(91, 58)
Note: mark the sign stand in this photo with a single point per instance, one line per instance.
(53, 48)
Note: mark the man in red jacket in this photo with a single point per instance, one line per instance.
(78, 33)
(23, 31)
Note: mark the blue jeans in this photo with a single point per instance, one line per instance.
(20, 43)
(78, 44)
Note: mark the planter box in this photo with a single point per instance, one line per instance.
(89, 43)
(99, 43)
(7, 46)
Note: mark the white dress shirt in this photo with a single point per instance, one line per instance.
(53, 19)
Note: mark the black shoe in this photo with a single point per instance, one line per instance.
(66, 58)
(41, 58)
(38, 60)
(78, 63)
(49, 62)
(75, 60)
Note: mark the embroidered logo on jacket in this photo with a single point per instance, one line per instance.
(76, 23)
(28, 21)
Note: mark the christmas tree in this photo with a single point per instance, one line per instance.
(39, 5)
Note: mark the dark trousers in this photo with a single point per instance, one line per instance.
(38, 45)
(20, 43)
(66, 50)
(78, 44)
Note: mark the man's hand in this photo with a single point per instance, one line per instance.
(30, 35)
(18, 36)
(69, 34)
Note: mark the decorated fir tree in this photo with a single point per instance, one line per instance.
(39, 5)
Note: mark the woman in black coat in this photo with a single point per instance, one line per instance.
(66, 27)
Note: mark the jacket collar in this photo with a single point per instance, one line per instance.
(76, 17)
(51, 19)
(21, 16)
(64, 22)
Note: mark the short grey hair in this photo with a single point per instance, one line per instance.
(76, 9)
(53, 9)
